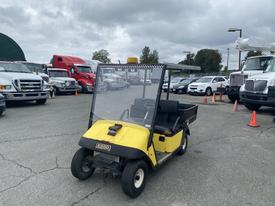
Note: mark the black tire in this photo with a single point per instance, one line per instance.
(233, 98)
(41, 101)
(131, 183)
(253, 107)
(208, 91)
(81, 166)
(1, 112)
(184, 144)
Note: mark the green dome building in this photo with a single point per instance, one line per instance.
(10, 50)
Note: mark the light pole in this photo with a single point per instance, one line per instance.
(239, 30)
(227, 60)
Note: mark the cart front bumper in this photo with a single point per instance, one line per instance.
(111, 149)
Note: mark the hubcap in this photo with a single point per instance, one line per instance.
(139, 177)
(86, 164)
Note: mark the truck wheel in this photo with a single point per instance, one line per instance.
(233, 98)
(134, 178)
(81, 166)
(41, 101)
(184, 144)
(253, 107)
(208, 91)
(1, 112)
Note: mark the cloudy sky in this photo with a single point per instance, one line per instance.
(123, 27)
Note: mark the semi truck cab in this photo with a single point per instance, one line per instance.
(252, 66)
(77, 69)
(259, 90)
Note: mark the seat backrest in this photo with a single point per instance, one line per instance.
(167, 111)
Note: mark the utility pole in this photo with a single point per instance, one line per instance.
(227, 60)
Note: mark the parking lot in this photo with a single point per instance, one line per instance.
(228, 163)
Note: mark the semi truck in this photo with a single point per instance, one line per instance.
(252, 66)
(259, 90)
(78, 69)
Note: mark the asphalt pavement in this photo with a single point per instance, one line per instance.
(227, 162)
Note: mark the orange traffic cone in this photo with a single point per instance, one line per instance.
(214, 98)
(205, 100)
(76, 93)
(235, 107)
(253, 120)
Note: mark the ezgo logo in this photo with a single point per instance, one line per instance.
(103, 147)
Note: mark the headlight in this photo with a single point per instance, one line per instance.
(5, 87)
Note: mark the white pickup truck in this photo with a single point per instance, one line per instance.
(18, 83)
(259, 90)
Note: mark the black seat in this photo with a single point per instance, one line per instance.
(141, 107)
(168, 119)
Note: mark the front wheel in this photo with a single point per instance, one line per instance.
(253, 107)
(134, 178)
(208, 91)
(81, 166)
(233, 98)
(41, 101)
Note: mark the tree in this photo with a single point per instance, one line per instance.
(148, 57)
(209, 60)
(154, 57)
(102, 55)
(189, 60)
(253, 53)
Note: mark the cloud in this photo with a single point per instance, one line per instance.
(79, 27)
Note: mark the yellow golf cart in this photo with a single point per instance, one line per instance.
(134, 129)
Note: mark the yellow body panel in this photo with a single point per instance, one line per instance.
(130, 135)
(170, 144)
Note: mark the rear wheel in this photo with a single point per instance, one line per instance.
(81, 166)
(253, 107)
(208, 91)
(134, 178)
(41, 101)
(184, 144)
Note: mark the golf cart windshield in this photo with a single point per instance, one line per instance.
(122, 101)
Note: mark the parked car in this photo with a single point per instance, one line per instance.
(78, 69)
(207, 85)
(61, 82)
(252, 66)
(174, 81)
(181, 87)
(259, 90)
(114, 81)
(18, 83)
(2, 103)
